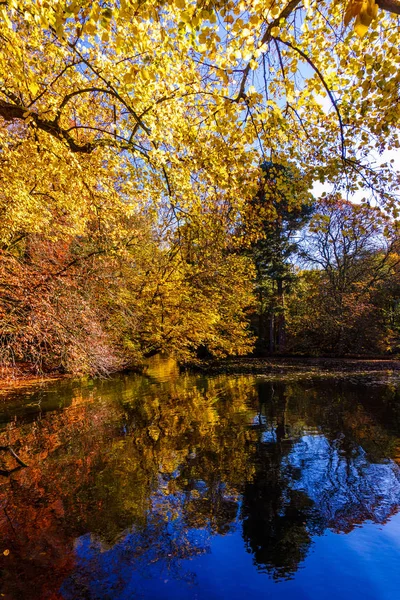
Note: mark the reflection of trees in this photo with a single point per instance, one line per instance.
(152, 469)
(347, 490)
(312, 472)
(141, 455)
(278, 522)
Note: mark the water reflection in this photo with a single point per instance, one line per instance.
(131, 481)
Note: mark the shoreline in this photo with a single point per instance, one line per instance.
(21, 376)
(297, 366)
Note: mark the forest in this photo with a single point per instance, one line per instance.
(197, 178)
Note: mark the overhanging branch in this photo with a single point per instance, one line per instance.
(10, 112)
(392, 6)
(286, 12)
(328, 91)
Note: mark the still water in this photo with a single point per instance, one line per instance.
(192, 487)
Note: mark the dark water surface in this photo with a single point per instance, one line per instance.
(187, 487)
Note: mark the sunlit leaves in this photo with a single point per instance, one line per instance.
(364, 12)
(163, 112)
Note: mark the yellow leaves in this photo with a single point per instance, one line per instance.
(129, 76)
(147, 74)
(33, 88)
(73, 8)
(6, 552)
(4, 17)
(224, 77)
(119, 43)
(255, 19)
(186, 16)
(364, 12)
(90, 28)
(204, 36)
(247, 54)
(107, 13)
(164, 41)
(352, 10)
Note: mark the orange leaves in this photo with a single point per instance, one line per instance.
(364, 12)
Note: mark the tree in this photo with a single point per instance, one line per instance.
(187, 88)
(354, 252)
(281, 208)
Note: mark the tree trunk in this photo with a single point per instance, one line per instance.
(281, 320)
(271, 333)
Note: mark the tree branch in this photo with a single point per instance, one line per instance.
(10, 112)
(328, 91)
(392, 6)
(287, 11)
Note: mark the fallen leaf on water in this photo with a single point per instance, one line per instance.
(6, 552)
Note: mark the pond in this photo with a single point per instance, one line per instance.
(183, 486)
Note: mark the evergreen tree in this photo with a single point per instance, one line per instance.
(282, 207)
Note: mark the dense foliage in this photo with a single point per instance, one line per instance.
(131, 138)
(352, 293)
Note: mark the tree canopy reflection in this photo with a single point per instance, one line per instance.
(138, 472)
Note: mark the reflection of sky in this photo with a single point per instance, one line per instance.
(174, 562)
(345, 490)
(268, 437)
(363, 565)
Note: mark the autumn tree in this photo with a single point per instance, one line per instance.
(353, 252)
(252, 68)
